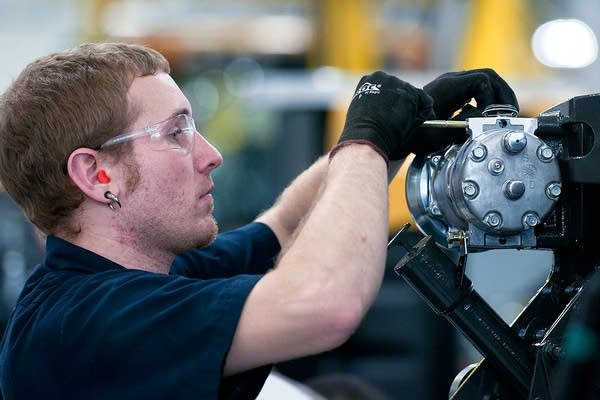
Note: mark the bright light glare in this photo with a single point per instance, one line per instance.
(565, 43)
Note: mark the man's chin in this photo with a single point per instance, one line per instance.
(208, 234)
(204, 236)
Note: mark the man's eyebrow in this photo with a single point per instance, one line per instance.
(179, 111)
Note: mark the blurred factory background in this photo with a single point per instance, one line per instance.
(270, 81)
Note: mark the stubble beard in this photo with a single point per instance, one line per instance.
(202, 236)
(208, 237)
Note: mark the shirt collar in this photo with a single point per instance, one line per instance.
(63, 255)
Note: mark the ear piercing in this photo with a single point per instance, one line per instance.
(114, 199)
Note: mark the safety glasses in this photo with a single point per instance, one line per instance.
(174, 133)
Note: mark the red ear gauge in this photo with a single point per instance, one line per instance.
(102, 177)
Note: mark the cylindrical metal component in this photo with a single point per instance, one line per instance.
(440, 123)
(429, 271)
(470, 181)
(514, 190)
(515, 141)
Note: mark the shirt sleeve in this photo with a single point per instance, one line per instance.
(250, 249)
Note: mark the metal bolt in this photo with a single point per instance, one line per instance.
(479, 153)
(545, 153)
(495, 166)
(435, 210)
(514, 190)
(515, 141)
(493, 219)
(531, 219)
(470, 190)
(435, 160)
(553, 190)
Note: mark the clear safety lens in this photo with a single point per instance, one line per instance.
(176, 133)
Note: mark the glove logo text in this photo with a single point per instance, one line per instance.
(367, 88)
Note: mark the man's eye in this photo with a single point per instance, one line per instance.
(175, 135)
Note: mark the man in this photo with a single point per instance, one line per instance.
(136, 298)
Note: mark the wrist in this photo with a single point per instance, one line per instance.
(362, 142)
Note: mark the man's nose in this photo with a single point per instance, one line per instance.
(205, 154)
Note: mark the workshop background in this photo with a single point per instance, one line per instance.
(270, 82)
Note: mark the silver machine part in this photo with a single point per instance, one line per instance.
(493, 189)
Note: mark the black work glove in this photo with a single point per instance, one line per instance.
(384, 113)
(453, 91)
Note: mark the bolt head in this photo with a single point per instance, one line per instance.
(553, 190)
(514, 190)
(493, 219)
(478, 153)
(470, 190)
(546, 153)
(531, 220)
(496, 166)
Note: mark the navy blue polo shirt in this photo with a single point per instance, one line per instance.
(86, 327)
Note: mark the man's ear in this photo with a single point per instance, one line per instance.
(83, 169)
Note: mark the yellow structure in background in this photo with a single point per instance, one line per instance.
(498, 35)
(345, 39)
(346, 35)
(348, 40)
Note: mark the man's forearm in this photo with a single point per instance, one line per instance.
(346, 230)
(328, 277)
(295, 202)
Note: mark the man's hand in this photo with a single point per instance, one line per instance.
(453, 90)
(384, 114)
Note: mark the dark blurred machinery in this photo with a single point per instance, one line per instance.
(515, 183)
